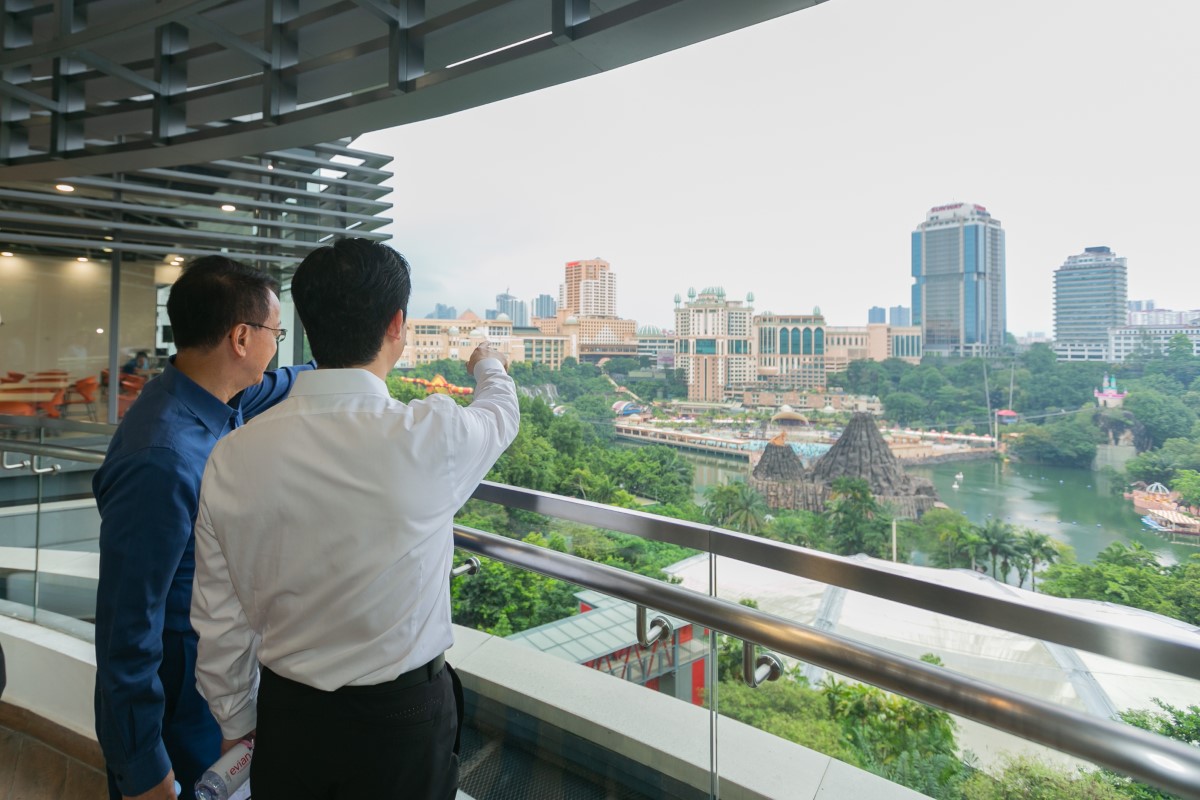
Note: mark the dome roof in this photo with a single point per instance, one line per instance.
(571, 321)
(478, 333)
(649, 330)
(453, 330)
(502, 317)
(715, 291)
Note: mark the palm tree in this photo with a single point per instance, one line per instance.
(747, 510)
(736, 505)
(1000, 542)
(1038, 548)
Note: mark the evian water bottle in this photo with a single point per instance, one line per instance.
(225, 777)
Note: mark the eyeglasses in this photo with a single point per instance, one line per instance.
(280, 333)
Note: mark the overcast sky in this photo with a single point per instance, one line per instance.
(794, 158)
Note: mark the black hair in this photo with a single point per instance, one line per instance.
(347, 295)
(213, 294)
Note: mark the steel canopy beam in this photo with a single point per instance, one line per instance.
(368, 90)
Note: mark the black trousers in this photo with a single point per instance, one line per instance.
(389, 741)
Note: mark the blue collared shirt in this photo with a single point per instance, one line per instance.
(147, 492)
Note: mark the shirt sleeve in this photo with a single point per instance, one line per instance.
(484, 429)
(148, 504)
(274, 387)
(227, 656)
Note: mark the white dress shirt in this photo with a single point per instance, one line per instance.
(324, 539)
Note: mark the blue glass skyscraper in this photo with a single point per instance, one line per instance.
(958, 293)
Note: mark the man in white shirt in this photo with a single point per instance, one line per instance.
(324, 546)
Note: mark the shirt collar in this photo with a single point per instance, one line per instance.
(339, 381)
(208, 408)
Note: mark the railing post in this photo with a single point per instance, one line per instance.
(755, 672)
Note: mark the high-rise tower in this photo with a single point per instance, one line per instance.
(590, 289)
(958, 281)
(1090, 295)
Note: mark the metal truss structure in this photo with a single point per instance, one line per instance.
(115, 86)
(269, 210)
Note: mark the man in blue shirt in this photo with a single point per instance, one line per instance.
(153, 726)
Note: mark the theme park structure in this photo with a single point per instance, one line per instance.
(860, 452)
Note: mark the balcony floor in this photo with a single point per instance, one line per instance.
(31, 770)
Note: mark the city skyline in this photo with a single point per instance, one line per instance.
(683, 170)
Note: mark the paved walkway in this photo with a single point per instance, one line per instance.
(31, 770)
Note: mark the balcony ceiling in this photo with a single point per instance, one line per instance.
(105, 86)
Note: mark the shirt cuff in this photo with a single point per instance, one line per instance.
(483, 361)
(141, 774)
(240, 723)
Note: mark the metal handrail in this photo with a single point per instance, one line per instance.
(1162, 762)
(52, 451)
(1131, 645)
(1144, 756)
(53, 424)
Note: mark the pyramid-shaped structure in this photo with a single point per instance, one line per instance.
(861, 452)
(779, 462)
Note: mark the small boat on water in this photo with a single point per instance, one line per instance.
(955, 485)
(958, 476)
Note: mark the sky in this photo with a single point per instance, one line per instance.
(794, 158)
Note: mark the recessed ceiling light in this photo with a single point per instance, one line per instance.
(82, 259)
(108, 249)
(6, 254)
(64, 187)
(99, 330)
(270, 166)
(229, 207)
(108, 238)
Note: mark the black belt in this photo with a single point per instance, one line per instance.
(422, 674)
(406, 680)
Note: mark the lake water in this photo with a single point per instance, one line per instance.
(1071, 505)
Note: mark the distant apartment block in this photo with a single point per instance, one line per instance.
(443, 311)
(544, 306)
(656, 344)
(713, 342)
(587, 311)
(726, 350)
(899, 316)
(876, 315)
(434, 339)
(791, 351)
(1162, 316)
(958, 270)
(1140, 305)
(1127, 342)
(516, 309)
(590, 289)
(1090, 298)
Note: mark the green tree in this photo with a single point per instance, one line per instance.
(1000, 542)
(502, 600)
(1070, 442)
(802, 528)
(735, 505)
(1025, 778)
(1159, 417)
(1180, 724)
(855, 522)
(1125, 574)
(1187, 483)
(1038, 548)
(904, 408)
